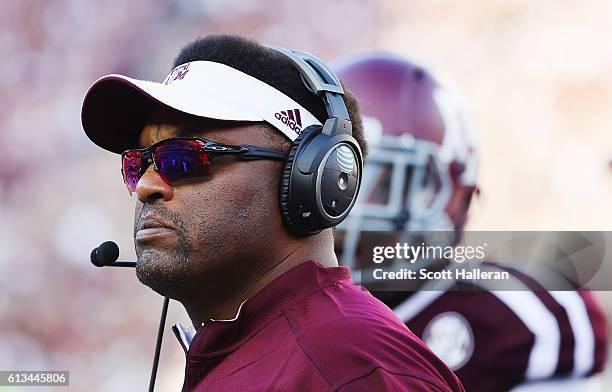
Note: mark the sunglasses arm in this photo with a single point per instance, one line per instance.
(262, 153)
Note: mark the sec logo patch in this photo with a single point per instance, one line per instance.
(450, 337)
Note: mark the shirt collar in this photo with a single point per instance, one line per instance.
(220, 336)
(185, 333)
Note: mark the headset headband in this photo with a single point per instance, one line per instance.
(323, 82)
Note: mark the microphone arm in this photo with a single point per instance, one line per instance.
(131, 264)
(106, 255)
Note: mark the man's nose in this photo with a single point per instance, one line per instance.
(151, 187)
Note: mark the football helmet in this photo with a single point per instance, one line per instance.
(422, 164)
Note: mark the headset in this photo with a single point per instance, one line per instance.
(322, 173)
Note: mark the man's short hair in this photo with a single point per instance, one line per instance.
(270, 67)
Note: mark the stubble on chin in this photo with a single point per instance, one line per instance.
(166, 273)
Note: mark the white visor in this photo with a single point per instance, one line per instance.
(116, 107)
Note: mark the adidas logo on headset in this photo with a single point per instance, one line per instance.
(291, 118)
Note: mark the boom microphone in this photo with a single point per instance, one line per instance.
(106, 255)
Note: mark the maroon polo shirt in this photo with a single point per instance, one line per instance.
(311, 329)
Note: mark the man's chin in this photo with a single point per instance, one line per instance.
(166, 277)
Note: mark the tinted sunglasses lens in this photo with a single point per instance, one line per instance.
(131, 167)
(181, 159)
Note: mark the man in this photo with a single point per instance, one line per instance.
(270, 308)
(421, 176)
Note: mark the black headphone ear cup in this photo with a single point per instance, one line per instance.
(283, 193)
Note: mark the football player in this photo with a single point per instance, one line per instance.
(421, 176)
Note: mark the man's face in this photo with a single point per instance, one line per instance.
(217, 228)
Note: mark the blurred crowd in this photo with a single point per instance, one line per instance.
(535, 76)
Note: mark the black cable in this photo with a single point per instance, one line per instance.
(160, 335)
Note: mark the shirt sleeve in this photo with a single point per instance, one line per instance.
(384, 380)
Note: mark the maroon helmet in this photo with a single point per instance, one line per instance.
(422, 166)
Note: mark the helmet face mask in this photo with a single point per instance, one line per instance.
(405, 190)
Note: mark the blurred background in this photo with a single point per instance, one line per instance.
(536, 77)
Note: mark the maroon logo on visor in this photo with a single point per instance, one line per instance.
(177, 73)
(291, 118)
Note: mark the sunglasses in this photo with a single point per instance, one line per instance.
(183, 158)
